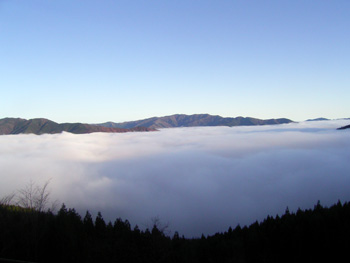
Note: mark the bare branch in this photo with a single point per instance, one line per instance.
(33, 196)
(7, 200)
(41, 197)
(163, 228)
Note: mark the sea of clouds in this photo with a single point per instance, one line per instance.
(197, 180)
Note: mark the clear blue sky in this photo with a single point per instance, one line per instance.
(95, 61)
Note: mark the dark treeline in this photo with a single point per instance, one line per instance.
(310, 235)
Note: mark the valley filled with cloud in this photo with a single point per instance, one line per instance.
(198, 180)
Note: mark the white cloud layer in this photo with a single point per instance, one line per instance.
(199, 180)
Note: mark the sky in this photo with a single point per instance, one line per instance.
(195, 180)
(95, 61)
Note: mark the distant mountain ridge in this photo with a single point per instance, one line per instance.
(318, 119)
(182, 120)
(42, 126)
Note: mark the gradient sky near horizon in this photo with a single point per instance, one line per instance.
(96, 61)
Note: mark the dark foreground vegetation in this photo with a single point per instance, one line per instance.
(305, 236)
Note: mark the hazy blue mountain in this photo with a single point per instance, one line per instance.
(41, 126)
(182, 120)
(344, 127)
(318, 119)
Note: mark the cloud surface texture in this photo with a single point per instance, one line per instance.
(198, 180)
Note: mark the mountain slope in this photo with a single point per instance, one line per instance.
(182, 120)
(344, 127)
(41, 126)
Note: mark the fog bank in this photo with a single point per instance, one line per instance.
(199, 180)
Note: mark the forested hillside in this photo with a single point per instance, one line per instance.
(43, 126)
(305, 236)
(183, 120)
